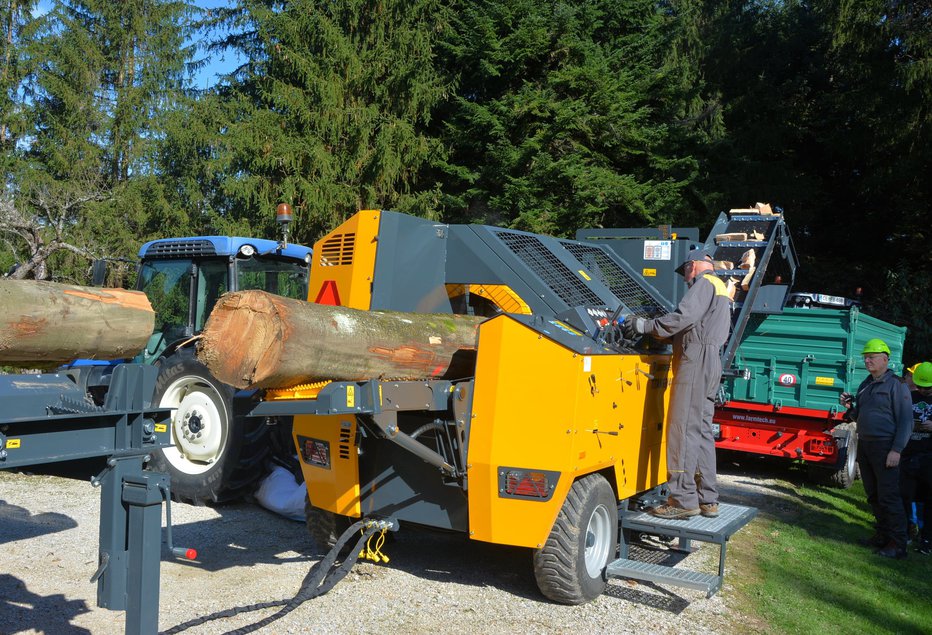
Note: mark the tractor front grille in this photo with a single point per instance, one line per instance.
(181, 249)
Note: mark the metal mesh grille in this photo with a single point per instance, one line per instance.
(625, 287)
(338, 250)
(557, 276)
(181, 249)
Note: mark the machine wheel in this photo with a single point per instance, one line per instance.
(846, 476)
(324, 526)
(570, 568)
(216, 455)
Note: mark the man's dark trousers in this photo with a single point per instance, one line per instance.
(882, 485)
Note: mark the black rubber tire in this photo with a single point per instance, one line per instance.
(560, 565)
(324, 526)
(844, 477)
(241, 447)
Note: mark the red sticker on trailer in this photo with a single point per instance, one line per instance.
(787, 379)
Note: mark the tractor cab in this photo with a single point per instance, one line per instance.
(184, 277)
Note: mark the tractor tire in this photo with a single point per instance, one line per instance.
(570, 567)
(216, 456)
(844, 477)
(324, 526)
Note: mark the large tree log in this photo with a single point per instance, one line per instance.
(255, 339)
(44, 323)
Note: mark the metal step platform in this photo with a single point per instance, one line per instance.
(663, 574)
(716, 530)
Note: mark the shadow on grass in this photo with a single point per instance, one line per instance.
(800, 568)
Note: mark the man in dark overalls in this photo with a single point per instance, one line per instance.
(699, 328)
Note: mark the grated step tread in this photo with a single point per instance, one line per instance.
(661, 574)
(718, 530)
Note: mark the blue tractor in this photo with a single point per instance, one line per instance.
(215, 455)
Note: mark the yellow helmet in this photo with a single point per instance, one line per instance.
(875, 346)
(922, 374)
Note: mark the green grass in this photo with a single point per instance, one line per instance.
(798, 568)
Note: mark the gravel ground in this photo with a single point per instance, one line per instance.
(247, 555)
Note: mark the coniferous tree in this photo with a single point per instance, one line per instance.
(326, 113)
(557, 121)
(18, 26)
(104, 74)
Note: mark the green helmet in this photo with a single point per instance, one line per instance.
(922, 376)
(875, 346)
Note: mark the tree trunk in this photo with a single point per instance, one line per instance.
(255, 339)
(44, 322)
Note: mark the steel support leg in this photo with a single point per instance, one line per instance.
(131, 543)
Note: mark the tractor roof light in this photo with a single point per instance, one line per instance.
(283, 214)
(247, 251)
(284, 217)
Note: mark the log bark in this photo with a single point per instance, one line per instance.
(255, 339)
(46, 323)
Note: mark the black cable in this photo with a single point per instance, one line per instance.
(319, 580)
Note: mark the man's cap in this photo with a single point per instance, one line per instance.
(694, 255)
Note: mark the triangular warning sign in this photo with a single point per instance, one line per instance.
(329, 294)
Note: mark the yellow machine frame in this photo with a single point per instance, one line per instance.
(540, 406)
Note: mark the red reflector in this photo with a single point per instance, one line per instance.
(191, 554)
(328, 294)
(527, 484)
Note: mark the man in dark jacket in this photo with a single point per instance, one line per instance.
(883, 410)
(699, 328)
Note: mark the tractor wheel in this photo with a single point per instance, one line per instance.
(848, 473)
(324, 526)
(215, 456)
(570, 568)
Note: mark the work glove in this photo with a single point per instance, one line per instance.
(633, 327)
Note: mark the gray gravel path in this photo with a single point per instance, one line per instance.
(434, 582)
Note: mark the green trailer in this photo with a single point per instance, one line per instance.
(794, 364)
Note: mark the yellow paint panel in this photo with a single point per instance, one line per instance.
(501, 295)
(301, 391)
(537, 407)
(335, 489)
(346, 258)
(825, 381)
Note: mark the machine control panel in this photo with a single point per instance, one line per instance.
(588, 319)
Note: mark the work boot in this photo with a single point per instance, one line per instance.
(673, 512)
(877, 541)
(892, 550)
(709, 510)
